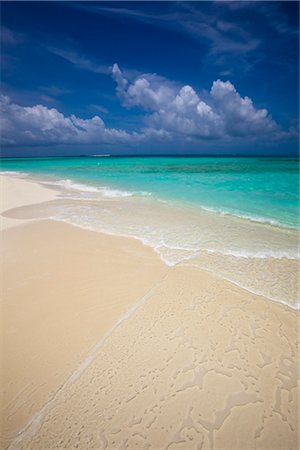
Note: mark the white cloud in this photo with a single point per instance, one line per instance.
(148, 91)
(239, 115)
(39, 125)
(171, 113)
(181, 111)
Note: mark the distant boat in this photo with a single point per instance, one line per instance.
(101, 156)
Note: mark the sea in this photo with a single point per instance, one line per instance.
(237, 217)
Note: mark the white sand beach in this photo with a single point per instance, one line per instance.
(105, 346)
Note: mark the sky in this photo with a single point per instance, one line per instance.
(207, 78)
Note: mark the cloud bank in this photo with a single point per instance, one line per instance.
(181, 111)
(171, 112)
(39, 125)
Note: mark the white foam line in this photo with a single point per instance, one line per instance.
(186, 259)
(32, 427)
(196, 252)
(13, 173)
(244, 216)
(104, 191)
(294, 306)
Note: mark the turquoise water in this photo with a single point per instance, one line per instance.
(249, 235)
(261, 189)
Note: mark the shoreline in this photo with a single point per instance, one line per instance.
(20, 191)
(247, 254)
(84, 279)
(169, 302)
(58, 184)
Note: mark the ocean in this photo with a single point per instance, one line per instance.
(238, 217)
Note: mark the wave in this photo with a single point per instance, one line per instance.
(258, 255)
(159, 238)
(245, 254)
(13, 173)
(110, 192)
(295, 306)
(251, 217)
(104, 191)
(173, 255)
(190, 239)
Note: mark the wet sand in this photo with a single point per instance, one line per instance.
(259, 257)
(198, 363)
(63, 289)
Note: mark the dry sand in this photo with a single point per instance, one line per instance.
(16, 192)
(199, 363)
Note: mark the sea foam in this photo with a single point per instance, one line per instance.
(104, 191)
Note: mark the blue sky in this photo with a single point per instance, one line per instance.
(149, 78)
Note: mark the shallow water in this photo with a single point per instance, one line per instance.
(262, 189)
(171, 205)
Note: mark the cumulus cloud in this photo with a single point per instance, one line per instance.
(39, 125)
(148, 91)
(171, 113)
(187, 114)
(239, 115)
(182, 111)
